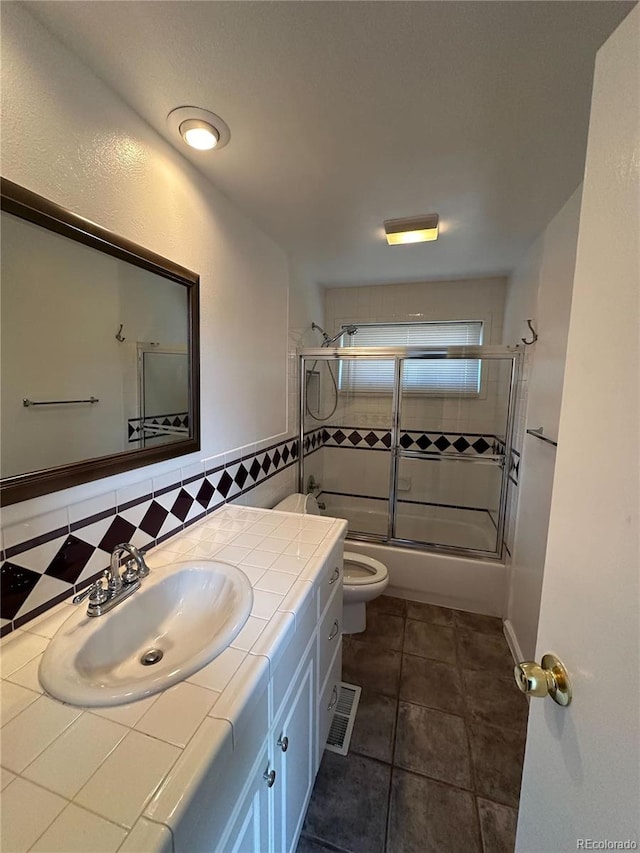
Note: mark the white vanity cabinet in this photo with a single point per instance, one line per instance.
(303, 689)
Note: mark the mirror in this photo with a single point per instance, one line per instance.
(99, 361)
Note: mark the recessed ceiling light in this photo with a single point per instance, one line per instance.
(417, 229)
(199, 134)
(199, 128)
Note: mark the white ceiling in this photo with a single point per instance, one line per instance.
(343, 114)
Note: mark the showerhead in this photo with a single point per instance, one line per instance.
(327, 341)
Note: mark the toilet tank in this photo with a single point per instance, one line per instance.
(303, 504)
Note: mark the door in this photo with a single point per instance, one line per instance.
(581, 773)
(250, 832)
(294, 761)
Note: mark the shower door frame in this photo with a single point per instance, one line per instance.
(399, 356)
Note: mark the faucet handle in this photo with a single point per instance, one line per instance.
(99, 593)
(130, 573)
(96, 593)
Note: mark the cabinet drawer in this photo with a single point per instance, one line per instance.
(331, 576)
(329, 634)
(328, 701)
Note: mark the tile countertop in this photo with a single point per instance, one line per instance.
(103, 779)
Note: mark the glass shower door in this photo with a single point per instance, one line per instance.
(347, 419)
(452, 428)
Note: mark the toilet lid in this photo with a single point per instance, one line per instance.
(360, 569)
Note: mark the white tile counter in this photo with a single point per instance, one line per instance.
(104, 779)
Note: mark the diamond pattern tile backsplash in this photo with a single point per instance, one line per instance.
(38, 573)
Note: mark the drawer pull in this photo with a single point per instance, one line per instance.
(335, 631)
(283, 743)
(269, 777)
(334, 698)
(334, 577)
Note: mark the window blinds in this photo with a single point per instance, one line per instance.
(440, 377)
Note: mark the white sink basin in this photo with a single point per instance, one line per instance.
(190, 612)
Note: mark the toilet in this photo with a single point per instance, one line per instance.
(364, 577)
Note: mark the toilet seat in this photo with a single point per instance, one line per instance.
(365, 570)
(364, 578)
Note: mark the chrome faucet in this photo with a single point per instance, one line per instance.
(103, 598)
(130, 574)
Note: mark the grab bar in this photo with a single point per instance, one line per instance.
(539, 433)
(27, 402)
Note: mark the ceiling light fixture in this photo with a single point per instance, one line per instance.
(416, 229)
(199, 134)
(199, 128)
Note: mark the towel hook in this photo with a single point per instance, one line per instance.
(533, 332)
(119, 336)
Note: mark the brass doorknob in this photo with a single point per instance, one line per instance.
(549, 679)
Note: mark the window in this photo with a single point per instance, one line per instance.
(440, 377)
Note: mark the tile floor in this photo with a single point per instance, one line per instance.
(437, 749)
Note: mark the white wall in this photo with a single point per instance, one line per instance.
(472, 299)
(465, 299)
(539, 289)
(70, 138)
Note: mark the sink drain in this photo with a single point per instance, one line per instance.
(151, 657)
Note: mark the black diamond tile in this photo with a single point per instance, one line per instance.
(386, 439)
(241, 476)
(406, 441)
(371, 439)
(325, 436)
(177, 422)
(339, 436)
(285, 454)
(225, 484)
(153, 519)
(266, 464)
(424, 442)
(442, 443)
(480, 446)
(255, 469)
(120, 530)
(295, 450)
(16, 583)
(205, 493)
(355, 437)
(182, 505)
(68, 563)
(277, 457)
(130, 429)
(461, 444)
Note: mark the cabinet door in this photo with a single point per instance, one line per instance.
(294, 747)
(250, 831)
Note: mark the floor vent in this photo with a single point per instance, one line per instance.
(344, 718)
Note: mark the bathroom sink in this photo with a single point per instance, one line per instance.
(183, 616)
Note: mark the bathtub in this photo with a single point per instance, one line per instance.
(457, 527)
(464, 583)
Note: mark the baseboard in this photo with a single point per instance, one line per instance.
(512, 641)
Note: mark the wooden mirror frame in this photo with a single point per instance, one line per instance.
(27, 205)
